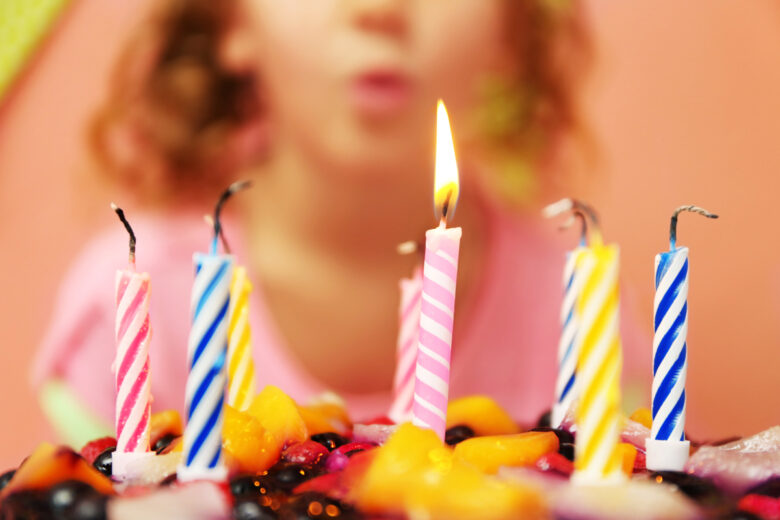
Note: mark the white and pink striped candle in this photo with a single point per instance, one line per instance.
(406, 354)
(133, 384)
(437, 307)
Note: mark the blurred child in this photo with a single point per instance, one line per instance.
(329, 107)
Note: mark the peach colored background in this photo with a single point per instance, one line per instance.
(684, 104)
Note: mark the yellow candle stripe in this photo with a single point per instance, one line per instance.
(241, 367)
(598, 457)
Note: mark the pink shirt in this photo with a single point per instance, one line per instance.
(504, 345)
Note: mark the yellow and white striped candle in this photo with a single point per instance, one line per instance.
(241, 367)
(597, 454)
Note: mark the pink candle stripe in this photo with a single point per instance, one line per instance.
(406, 357)
(132, 351)
(433, 365)
(432, 377)
(436, 314)
(444, 265)
(439, 293)
(133, 383)
(436, 345)
(132, 311)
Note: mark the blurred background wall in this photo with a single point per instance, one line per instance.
(684, 105)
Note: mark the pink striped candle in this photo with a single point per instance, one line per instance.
(408, 334)
(133, 384)
(437, 307)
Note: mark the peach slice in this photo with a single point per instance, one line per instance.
(521, 449)
(249, 446)
(628, 454)
(643, 416)
(278, 415)
(165, 423)
(482, 414)
(415, 474)
(49, 465)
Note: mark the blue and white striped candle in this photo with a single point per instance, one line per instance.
(567, 356)
(667, 448)
(206, 354)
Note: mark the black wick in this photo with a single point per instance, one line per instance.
(233, 188)
(121, 215)
(673, 223)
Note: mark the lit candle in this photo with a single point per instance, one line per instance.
(437, 307)
(597, 455)
(667, 448)
(406, 347)
(565, 390)
(241, 367)
(133, 384)
(206, 356)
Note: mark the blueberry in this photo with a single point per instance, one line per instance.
(170, 479)
(316, 506)
(769, 488)
(103, 462)
(163, 442)
(6, 477)
(544, 420)
(330, 440)
(248, 486)
(91, 507)
(699, 489)
(564, 436)
(567, 450)
(250, 510)
(740, 515)
(28, 503)
(64, 495)
(458, 434)
(287, 476)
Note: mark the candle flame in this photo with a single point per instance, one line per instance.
(446, 187)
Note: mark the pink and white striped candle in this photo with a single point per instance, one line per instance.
(406, 356)
(437, 307)
(133, 384)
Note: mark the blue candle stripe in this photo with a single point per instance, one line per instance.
(218, 276)
(667, 428)
(668, 340)
(669, 346)
(209, 334)
(565, 380)
(568, 387)
(207, 348)
(205, 432)
(214, 371)
(671, 294)
(669, 380)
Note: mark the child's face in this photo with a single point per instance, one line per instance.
(355, 82)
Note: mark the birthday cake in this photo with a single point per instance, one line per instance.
(289, 461)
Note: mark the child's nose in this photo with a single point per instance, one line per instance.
(383, 16)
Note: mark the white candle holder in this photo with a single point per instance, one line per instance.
(666, 455)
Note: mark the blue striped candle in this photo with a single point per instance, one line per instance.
(567, 356)
(667, 448)
(206, 353)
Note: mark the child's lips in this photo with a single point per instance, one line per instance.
(380, 92)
